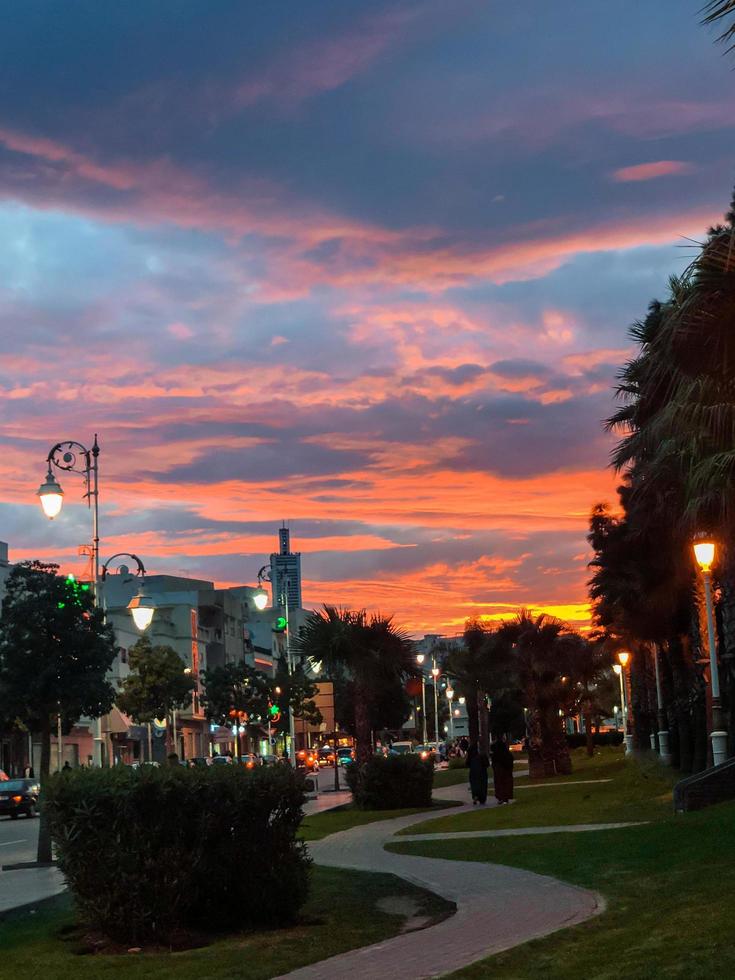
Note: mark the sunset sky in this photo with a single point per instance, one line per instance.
(364, 266)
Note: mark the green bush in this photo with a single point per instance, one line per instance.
(457, 762)
(578, 740)
(391, 783)
(151, 853)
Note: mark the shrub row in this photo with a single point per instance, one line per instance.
(391, 783)
(150, 853)
(578, 739)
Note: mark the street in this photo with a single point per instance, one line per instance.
(18, 839)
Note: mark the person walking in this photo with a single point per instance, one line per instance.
(502, 761)
(477, 763)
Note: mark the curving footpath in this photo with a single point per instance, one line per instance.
(497, 906)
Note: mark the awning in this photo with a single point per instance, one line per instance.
(116, 723)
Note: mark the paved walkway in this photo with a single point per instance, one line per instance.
(29, 885)
(574, 828)
(498, 907)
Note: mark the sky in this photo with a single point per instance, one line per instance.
(367, 267)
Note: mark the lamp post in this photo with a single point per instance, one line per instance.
(704, 552)
(435, 674)
(420, 657)
(74, 457)
(450, 696)
(663, 731)
(619, 668)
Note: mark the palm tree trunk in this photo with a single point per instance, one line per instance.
(536, 762)
(483, 723)
(43, 853)
(588, 732)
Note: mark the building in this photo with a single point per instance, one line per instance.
(286, 573)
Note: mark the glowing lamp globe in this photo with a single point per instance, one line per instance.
(704, 552)
(617, 668)
(450, 693)
(420, 658)
(434, 671)
(51, 496)
(260, 599)
(623, 657)
(142, 607)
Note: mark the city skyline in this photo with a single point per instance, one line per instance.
(372, 273)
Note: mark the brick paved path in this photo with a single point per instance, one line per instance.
(497, 907)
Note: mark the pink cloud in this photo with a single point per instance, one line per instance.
(650, 171)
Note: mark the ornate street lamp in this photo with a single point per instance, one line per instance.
(420, 657)
(704, 552)
(141, 606)
(619, 668)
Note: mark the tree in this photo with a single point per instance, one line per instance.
(55, 651)
(156, 685)
(234, 687)
(722, 13)
(590, 667)
(371, 650)
(294, 692)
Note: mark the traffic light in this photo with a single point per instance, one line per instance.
(280, 624)
(274, 713)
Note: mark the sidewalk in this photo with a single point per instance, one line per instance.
(498, 907)
(29, 885)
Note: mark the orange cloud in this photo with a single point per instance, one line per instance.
(650, 171)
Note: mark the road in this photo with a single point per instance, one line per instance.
(18, 839)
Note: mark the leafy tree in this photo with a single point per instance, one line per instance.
(371, 650)
(388, 709)
(234, 687)
(722, 13)
(55, 651)
(156, 686)
(294, 692)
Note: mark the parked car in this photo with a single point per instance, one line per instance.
(250, 760)
(401, 748)
(426, 752)
(345, 756)
(19, 796)
(326, 755)
(270, 760)
(221, 760)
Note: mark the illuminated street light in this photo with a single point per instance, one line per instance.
(51, 496)
(141, 606)
(260, 598)
(704, 552)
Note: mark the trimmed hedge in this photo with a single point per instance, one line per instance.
(458, 762)
(578, 740)
(391, 783)
(154, 852)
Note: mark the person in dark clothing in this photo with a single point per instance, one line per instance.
(477, 763)
(502, 761)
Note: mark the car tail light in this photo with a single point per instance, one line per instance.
(17, 799)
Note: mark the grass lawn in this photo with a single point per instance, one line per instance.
(670, 888)
(344, 817)
(635, 792)
(342, 913)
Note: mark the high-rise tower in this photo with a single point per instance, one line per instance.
(286, 572)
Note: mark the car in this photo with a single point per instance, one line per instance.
(306, 759)
(19, 796)
(325, 755)
(221, 760)
(345, 756)
(426, 752)
(249, 760)
(401, 748)
(270, 760)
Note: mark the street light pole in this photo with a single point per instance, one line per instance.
(704, 552)
(450, 696)
(663, 731)
(67, 456)
(619, 669)
(420, 661)
(435, 675)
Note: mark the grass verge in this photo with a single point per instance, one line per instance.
(670, 888)
(346, 909)
(635, 791)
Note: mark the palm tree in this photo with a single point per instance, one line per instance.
(539, 646)
(374, 652)
(721, 12)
